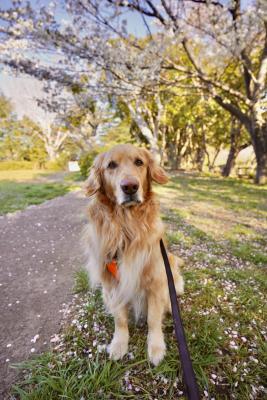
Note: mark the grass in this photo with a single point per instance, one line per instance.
(229, 193)
(74, 177)
(21, 188)
(224, 309)
(22, 175)
(81, 280)
(17, 195)
(248, 252)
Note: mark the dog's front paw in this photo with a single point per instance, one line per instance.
(117, 349)
(156, 352)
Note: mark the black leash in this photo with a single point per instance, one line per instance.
(187, 367)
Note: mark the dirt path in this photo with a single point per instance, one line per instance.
(39, 252)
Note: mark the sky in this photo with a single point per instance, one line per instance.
(134, 20)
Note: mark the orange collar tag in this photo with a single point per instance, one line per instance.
(112, 267)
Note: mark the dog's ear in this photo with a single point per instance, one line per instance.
(156, 172)
(93, 182)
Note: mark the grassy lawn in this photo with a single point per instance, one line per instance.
(219, 228)
(22, 175)
(21, 188)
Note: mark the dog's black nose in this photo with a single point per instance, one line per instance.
(129, 185)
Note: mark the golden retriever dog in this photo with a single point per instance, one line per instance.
(122, 241)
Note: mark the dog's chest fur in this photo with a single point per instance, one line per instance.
(130, 234)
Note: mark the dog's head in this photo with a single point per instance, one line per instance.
(124, 175)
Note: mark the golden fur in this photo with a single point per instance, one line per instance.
(130, 228)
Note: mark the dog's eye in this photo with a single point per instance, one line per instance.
(112, 165)
(138, 162)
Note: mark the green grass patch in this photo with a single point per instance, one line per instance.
(175, 237)
(81, 280)
(242, 230)
(17, 196)
(248, 252)
(230, 193)
(54, 378)
(74, 177)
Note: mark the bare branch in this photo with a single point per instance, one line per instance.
(190, 56)
(234, 110)
(157, 14)
(169, 13)
(153, 12)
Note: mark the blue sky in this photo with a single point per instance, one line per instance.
(134, 20)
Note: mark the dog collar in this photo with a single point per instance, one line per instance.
(112, 267)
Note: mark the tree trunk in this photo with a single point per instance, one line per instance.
(214, 159)
(261, 171)
(137, 116)
(260, 148)
(170, 149)
(180, 146)
(234, 138)
(208, 158)
(199, 159)
(178, 161)
(163, 153)
(51, 152)
(230, 162)
(200, 153)
(201, 150)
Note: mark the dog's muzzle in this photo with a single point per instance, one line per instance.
(129, 187)
(131, 201)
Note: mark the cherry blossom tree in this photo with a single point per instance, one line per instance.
(189, 44)
(216, 36)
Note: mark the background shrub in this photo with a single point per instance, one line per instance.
(58, 164)
(86, 161)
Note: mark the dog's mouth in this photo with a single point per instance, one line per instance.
(130, 201)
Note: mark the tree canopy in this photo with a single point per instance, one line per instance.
(200, 66)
